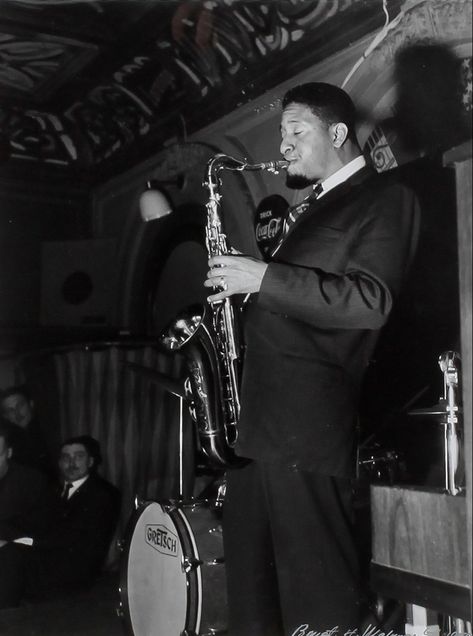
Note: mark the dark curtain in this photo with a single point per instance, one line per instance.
(136, 421)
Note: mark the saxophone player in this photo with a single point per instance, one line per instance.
(311, 324)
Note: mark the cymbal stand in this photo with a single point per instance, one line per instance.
(181, 448)
(448, 362)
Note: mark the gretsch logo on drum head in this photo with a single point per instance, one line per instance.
(161, 539)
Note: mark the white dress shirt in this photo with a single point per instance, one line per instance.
(75, 485)
(341, 175)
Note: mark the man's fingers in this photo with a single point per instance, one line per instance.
(236, 261)
(216, 297)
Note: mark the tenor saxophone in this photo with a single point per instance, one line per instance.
(209, 337)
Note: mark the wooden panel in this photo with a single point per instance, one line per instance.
(420, 532)
(447, 598)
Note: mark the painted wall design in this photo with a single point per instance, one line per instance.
(191, 63)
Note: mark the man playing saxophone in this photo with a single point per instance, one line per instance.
(311, 324)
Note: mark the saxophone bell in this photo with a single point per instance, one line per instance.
(178, 333)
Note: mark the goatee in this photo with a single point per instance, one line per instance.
(297, 181)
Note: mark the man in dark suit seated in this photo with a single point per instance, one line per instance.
(25, 496)
(66, 553)
(313, 318)
(70, 554)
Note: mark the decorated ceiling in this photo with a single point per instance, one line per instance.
(96, 85)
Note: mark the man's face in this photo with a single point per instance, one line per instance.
(17, 409)
(306, 142)
(74, 462)
(5, 454)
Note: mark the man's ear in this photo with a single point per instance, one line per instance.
(339, 133)
(9, 453)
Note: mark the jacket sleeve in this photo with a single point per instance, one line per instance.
(378, 253)
(28, 516)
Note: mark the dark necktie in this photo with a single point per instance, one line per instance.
(65, 492)
(295, 211)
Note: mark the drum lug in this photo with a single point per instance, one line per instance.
(120, 612)
(189, 564)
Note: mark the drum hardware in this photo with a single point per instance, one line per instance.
(440, 410)
(172, 578)
(446, 413)
(374, 463)
(449, 362)
(176, 387)
(221, 492)
(137, 502)
(217, 561)
(188, 564)
(171, 581)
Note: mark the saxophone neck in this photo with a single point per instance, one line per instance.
(221, 161)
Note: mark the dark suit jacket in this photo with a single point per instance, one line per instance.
(70, 553)
(312, 328)
(24, 499)
(30, 448)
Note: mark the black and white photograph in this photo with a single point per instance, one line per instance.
(236, 318)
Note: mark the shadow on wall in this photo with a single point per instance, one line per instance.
(433, 100)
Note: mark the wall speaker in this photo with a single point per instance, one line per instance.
(77, 283)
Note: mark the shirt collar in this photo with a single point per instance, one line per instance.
(344, 173)
(76, 484)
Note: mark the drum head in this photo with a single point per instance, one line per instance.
(154, 583)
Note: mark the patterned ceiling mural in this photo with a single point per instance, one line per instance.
(86, 81)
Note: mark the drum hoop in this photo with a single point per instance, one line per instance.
(125, 612)
(194, 592)
(189, 549)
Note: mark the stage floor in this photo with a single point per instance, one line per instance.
(91, 613)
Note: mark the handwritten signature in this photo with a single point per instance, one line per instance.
(304, 630)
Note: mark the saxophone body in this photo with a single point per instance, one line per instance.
(209, 338)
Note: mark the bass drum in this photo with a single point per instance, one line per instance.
(172, 579)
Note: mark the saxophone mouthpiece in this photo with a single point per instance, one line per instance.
(276, 166)
(270, 166)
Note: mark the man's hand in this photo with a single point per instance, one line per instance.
(234, 275)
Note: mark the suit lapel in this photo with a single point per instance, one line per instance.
(332, 195)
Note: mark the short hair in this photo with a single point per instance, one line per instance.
(90, 444)
(329, 103)
(18, 389)
(5, 432)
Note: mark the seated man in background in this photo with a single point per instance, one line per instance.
(66, 554)
(26, 437)
(70, 554)
(25, 498)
